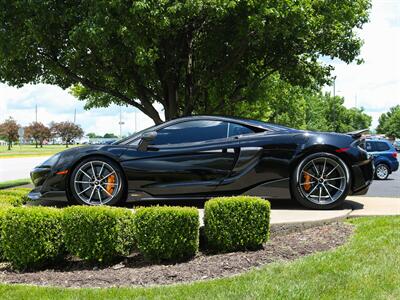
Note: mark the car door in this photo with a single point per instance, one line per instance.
(370, 148)
(186, 158)
(378, 151)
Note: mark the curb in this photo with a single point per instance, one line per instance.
(286, 228)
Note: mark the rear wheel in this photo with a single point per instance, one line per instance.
(97, 181)
(382, 172)
(321, 181)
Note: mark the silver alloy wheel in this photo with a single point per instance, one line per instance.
(322, 180)
(93, 185)
(382, 171)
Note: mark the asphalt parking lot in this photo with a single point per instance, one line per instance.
(386, 188)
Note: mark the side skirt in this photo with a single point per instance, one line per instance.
(277, 189)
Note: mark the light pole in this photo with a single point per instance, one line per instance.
(135, 121)
(120, 121)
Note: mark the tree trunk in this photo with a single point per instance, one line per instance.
(171, 111)
(189, 94)
(9, 145)
(66, 144)
(36, 143)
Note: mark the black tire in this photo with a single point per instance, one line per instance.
(382, 171)
(118, 193)
(298, 192)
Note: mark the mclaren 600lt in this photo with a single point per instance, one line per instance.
(205, 156)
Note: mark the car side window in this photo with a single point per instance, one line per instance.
(368, 147)
(191, 132)
(381, 146)
(237, 129)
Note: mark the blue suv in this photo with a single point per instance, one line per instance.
(384, 155)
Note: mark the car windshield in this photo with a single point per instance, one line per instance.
(133, 136)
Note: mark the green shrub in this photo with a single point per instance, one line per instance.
(167, 233)
(98, 233)
(31, 237)
(236, 223)
(14, 197)
(3, 210)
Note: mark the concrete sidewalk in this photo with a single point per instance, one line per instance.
(373, 206)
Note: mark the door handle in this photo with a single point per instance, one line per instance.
(223, 150)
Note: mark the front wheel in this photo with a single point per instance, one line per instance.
(97, 181)
(321, 181)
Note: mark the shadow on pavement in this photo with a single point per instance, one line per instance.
(284, 204)
(354, 205)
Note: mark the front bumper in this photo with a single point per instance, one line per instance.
(363, 174)
(48, 185)
(395, 166)
(56, 196)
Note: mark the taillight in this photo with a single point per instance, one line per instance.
(394, 154)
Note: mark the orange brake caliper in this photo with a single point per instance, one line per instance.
(110, 184)
(307, 183)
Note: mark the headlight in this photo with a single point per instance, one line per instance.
(51, 161)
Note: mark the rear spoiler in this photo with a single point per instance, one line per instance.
(358, 133)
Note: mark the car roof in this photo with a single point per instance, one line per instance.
(243, 121)
(249, 122)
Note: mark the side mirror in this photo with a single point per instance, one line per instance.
(145, 140)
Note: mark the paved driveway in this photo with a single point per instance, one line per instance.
(18, 168)
(386, 188)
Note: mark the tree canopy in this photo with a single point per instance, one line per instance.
(38, 132)
(67, 131)
(389, 123)
(282, 103)
(191, 56)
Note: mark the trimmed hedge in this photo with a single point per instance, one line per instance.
(31, 237)
(236, 223)
(98, 233)
(14, 197)
(3, 210)
(167, 233)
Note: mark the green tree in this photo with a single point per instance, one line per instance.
(190, 56)
(9, 131)
(92, 135)
(280, 102)
(110, 136)
(389, 123)
(276, 101)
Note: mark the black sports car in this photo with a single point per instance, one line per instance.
(204, 156)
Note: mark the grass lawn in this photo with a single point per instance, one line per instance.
(368, 267)
(12, 183)
(30, 150)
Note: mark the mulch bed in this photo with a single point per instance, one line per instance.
(136, 271)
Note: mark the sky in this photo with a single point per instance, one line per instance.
(374, 85)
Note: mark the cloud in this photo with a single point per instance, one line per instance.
(375, 84)
(56, 104)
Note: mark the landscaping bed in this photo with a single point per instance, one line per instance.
(135, 270)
